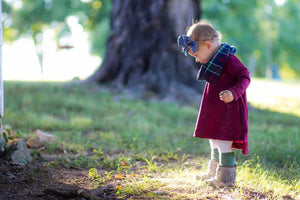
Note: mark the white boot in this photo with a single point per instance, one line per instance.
(225, 176)
(211, 171)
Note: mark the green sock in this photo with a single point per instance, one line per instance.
(227, 159)
(215, 155)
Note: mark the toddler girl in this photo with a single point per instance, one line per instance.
(223, 114)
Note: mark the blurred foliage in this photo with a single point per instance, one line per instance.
(32, 17)
(264, 32)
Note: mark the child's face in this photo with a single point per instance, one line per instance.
(203, 54)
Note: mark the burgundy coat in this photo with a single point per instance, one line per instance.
(226, 121)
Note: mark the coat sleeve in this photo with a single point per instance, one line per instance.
(242, 77)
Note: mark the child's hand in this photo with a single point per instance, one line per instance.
(226, 96)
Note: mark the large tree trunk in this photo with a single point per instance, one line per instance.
(142, 48)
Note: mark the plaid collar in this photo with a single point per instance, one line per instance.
(213, 68)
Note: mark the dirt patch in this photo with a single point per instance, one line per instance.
(36, 181)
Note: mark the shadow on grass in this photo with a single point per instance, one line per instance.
(37, 182)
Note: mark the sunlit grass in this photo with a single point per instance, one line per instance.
(262, 181)
(279, 96)
(149, 146)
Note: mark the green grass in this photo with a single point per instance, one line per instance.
(99, 129)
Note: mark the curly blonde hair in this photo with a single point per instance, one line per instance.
(203, 31)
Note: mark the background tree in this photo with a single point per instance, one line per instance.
(142, 49)
(265, 32)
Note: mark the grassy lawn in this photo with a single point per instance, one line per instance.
(146, 148)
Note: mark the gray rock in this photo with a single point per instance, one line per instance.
(18, 152)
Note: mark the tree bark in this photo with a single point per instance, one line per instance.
(142, 48)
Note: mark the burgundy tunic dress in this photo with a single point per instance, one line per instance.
(226, 121)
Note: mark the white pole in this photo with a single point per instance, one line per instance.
(2, 142)
(1, 76)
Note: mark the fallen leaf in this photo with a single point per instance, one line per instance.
(132, 175)
(119, 187)
(119, 177)
(125, 163)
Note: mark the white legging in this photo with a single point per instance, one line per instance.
(222, 145)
